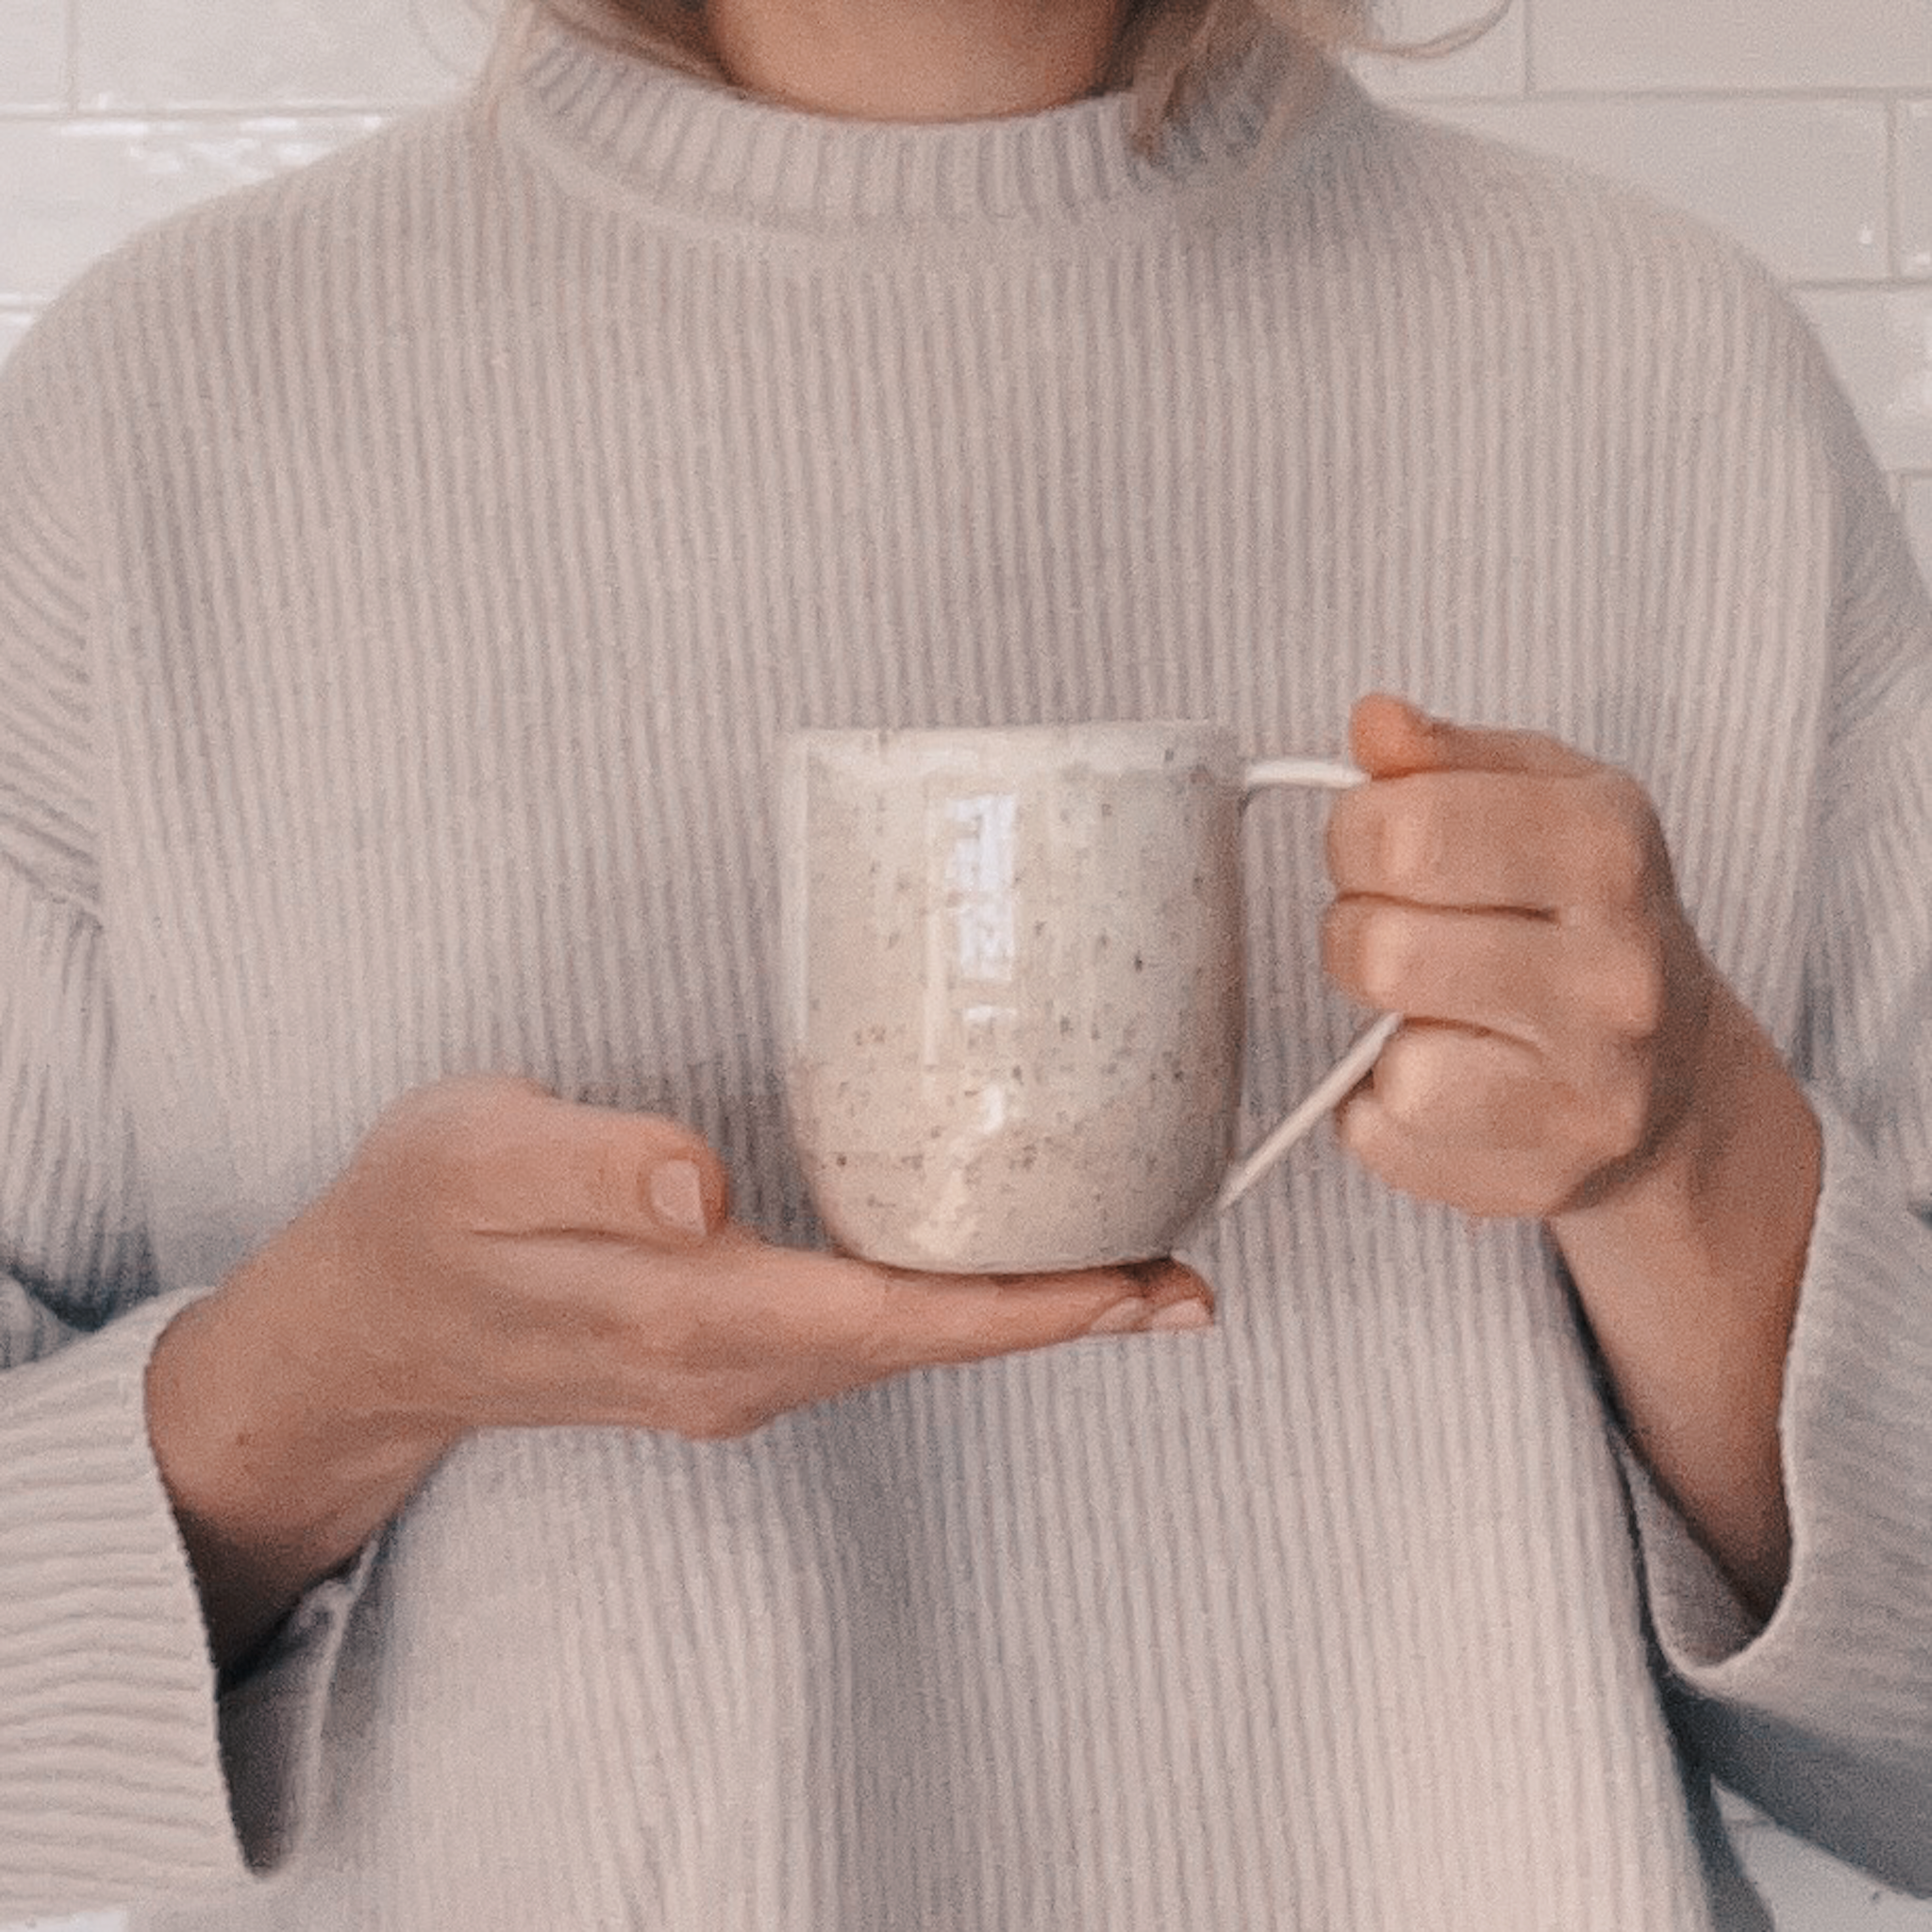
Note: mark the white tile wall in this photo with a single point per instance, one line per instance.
(1881, 342)
(1585, 47)
(1805, 128)
(33, 72)
(13, 325)
(1913, 186)
(1496, 64)
(171, 54)
(77, 184)
(1805, 183)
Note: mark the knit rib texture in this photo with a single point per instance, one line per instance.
(406, 569)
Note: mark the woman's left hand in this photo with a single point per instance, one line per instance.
(1568, 1052)
(1514, 901)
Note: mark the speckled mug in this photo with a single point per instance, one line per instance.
(1012, 987)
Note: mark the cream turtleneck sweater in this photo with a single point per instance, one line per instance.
(405, 569)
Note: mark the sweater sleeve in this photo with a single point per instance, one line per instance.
(123, 1775)
(1823, 1716)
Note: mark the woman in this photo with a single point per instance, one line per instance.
(432, 1497)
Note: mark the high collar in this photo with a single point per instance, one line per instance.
(703, 153)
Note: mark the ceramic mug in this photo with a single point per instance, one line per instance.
(1012, 989)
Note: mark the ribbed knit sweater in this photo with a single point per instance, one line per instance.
(406, 569)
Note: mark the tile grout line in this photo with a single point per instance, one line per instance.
(1894, 206)
(163, 114)
(1915, 255)
(1712, 96)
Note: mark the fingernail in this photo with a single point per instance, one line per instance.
(677, 1196)
(1177, 1316)
(1123, 1318)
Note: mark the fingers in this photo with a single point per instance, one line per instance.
(743, 1331)
(896, 1321)
(1531, 979)
(1475, 1121)
(1514, 900)
(1562, 847)
(1389, 738)
(1471, 816)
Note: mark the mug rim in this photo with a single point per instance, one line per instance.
(1122, 744)
(981, 734)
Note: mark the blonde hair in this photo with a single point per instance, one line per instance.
(1165, 49)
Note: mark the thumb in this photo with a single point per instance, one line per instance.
(544, 1164)
(1390, 737)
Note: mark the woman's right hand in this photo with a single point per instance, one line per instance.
(494, 1257)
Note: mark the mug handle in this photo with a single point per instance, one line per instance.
(1324, 774)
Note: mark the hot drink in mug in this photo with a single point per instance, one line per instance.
(1012, 987)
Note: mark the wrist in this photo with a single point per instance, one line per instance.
(1688, 1276)
(277, 1475)
(1734, 1178)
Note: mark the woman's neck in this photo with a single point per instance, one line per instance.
(917, 60)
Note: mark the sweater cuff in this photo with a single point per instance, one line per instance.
(1699, 1619)
(1822, 1712)
(271, 1718)
(122, 1778)
(1849, 1632)
(112, 1787)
